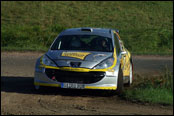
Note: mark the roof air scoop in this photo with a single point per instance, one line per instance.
(87, 29)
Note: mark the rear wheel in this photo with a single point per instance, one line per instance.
(120, 85)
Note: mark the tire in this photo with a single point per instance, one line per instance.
(120, 84)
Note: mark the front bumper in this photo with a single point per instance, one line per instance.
(103, 81)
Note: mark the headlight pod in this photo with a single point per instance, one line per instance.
(47, 61)
(105, 64)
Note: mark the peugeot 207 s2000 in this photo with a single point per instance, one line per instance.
(85, 58)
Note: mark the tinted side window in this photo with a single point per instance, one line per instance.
(117, 44)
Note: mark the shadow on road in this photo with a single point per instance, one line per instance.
(25, 85)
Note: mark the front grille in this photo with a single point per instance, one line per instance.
(74, 77)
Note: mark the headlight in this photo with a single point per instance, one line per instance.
(47, 61)
(105, 64)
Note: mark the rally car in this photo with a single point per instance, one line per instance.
(85, 58)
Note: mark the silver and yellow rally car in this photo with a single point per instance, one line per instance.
(85, 58)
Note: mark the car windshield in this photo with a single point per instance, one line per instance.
(83, 42)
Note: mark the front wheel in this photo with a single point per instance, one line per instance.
(120, 85)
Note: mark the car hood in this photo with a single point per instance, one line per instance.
(78, 59)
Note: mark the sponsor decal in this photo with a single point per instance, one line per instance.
(79, 55)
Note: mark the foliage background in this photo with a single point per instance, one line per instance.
(146, 27)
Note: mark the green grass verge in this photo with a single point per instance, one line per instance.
(150, 95)
(153, 90)
(146, 27)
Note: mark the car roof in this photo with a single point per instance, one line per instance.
(106, 32)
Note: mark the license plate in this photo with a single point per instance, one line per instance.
(72, 85)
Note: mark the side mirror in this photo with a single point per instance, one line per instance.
(123, 52)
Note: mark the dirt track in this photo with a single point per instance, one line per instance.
(19, 97)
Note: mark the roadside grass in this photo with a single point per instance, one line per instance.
(146, 27)
(153, 89)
